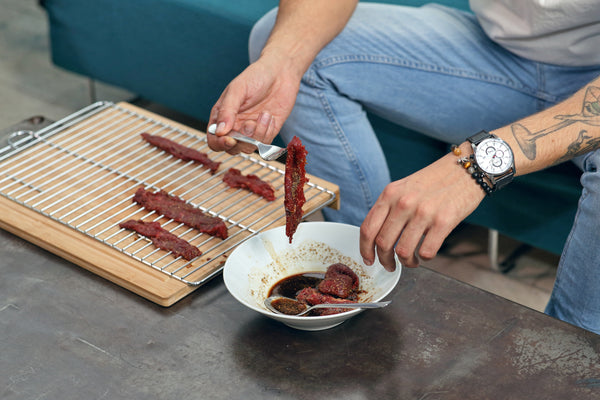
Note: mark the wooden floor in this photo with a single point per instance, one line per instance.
(30, 85)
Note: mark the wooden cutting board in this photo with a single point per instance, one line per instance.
(67, 190)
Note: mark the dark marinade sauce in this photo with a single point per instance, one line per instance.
(288, 306)
(288, 287)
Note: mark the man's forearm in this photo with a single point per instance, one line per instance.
(303, 28)
(557, 134)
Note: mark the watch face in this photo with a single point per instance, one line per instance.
(494, 156)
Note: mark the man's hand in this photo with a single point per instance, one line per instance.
(413, 216)
(259, 100)
(255, 103)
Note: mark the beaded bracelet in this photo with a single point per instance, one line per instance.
(472, 168)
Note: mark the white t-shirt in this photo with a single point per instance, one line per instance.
(562, 32)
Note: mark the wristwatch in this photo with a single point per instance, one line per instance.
(494, 158)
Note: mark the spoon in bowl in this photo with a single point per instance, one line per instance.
(295, 308)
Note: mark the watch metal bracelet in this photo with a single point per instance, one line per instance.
(479, 137)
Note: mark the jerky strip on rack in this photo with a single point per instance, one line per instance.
(234, 178)
(295, 178)
(177, 209)
(162, 238)
(180, 151)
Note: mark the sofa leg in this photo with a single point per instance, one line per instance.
(509, 262)
(92, 90)
(493, 249)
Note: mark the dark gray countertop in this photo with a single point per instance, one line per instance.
(67, 334)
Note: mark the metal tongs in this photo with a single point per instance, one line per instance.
(267, 152)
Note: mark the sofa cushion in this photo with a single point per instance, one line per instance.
(179, 53)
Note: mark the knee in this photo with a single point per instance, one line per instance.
(584, 319)
(260, 33)
(591, 161)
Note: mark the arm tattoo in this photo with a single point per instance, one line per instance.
(590, 115)
(579, 147)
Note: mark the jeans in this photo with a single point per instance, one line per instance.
(433, 70)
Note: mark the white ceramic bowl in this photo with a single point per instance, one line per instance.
(255, 266)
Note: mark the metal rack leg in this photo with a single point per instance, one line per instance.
(92, 90)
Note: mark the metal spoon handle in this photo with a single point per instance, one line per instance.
(380, 304)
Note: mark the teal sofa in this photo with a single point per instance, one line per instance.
(182, 53)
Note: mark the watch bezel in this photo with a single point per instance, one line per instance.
(496, 181)
(508, 165)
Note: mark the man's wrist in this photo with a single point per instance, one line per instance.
(283, 59)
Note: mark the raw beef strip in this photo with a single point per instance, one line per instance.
(313, 296)
(162, 238)
(235, 179)
(295, 178)
(180, 151)
(339, 281)
(177, 209)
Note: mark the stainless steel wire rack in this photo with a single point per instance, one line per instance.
(83, 170)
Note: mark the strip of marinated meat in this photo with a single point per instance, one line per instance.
(162, 238)
(234, 178)
(313, 296)
(295, 178)
(339, 281)
(180, 151)
(177, 209)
